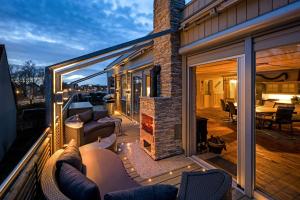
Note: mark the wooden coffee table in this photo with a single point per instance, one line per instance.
(105, 143)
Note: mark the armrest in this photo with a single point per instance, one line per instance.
(74, 131)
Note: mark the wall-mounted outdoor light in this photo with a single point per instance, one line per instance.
(65, 95)
(59, 98)
(154, 75)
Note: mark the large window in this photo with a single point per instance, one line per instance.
(278, 122)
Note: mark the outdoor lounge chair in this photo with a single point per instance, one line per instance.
(209, 185)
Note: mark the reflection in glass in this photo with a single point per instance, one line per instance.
(278, 122)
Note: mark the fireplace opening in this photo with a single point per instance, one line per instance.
(147, 146)
(147, 123)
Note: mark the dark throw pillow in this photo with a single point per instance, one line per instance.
(74, 119)
(151, 192)
(70, 155)
(86, 116)
(100, 114)
(75, 185)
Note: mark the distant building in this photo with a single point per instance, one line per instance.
(7, 106)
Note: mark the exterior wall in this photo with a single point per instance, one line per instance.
(240, 12)
(274, 34)
(167, 15)
(7, 106)
(194, 6)
(139, 61)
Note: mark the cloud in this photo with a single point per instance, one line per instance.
(74, 77)
(48, 31)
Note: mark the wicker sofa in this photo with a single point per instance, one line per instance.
(105, 170)
(84, 128)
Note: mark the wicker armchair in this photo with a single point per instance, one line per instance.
(48, 182)
(210, 185)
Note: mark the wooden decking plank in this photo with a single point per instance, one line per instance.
(176, 180)
(166, 176)
(192, 165)
(139, 179)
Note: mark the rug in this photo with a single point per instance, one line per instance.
(146, 167)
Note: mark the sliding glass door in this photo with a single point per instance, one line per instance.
(278, 121)
(217, 113)
(137, 79)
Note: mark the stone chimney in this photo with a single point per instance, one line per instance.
(160, 133)
(167, 14)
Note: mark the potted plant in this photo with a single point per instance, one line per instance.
(295, 100)
(216, 144)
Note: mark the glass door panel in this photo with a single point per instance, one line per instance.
(216, 113)
(278, 122)
(137, 93)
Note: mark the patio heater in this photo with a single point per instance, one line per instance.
(201, 139)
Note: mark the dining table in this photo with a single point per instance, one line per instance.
(264, 109)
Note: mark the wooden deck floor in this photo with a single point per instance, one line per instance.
(173, 178)
(277, 155)
(130, 130)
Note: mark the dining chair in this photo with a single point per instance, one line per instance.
(225, 107)
(283, 115)
(232, 110)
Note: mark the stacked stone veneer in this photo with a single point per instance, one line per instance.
(166, 138)
(166, 109)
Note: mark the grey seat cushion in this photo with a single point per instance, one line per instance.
(94, 125)
(151, 192)
(75, 185)
(106, 169)
(86, 116)
(70, 155)
(100, 114)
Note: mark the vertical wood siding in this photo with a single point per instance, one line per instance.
(236, 14)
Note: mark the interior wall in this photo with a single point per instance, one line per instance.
(209, 91)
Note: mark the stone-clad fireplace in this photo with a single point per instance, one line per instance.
(160, 132)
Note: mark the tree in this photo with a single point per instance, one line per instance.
(28, 78)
